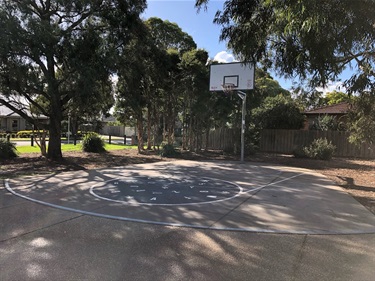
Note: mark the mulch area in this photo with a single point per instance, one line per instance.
(356, 176)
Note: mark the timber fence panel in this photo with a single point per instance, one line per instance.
(286, 141)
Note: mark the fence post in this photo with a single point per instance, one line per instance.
(110, 139)
(124, 139)
(32, 140)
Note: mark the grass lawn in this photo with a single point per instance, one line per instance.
(72, 147)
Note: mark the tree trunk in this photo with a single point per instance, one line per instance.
(207, 138)
(54, 145)
(149, 127)
(164, 128)
(140, 133)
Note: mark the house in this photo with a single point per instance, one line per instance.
(339, 111)
(109, 127)
(11, 121)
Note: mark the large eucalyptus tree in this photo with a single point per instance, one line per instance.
(61, 50)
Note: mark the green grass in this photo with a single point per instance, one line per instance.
(72, 147)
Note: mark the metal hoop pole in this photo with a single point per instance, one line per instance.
(242, 95)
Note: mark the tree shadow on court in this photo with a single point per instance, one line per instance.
(89, 248)
(47, 243)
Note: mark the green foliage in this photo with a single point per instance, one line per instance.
(336, 97)
(266, 86)
(168, 150)
(308, 99)
(27, 133)
(60, 55)
(252, 139)
(299, 153)
(313, 40)
(320, 149)
(7, 149)
(168, 35)
(92, 142)
(278, 113)
(301, 37)
(327, 123)
(362, 119)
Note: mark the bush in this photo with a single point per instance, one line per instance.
(299, 153)
(28, 133)
(168, 150)
(320, 149)
(7, 149)
(92, 142)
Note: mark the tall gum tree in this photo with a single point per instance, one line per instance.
(45, 45)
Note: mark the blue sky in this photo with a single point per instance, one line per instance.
(201, 27)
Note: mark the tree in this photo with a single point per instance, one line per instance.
(266, 86)
(362, 125)
(170, 39)
(312, 39)
(278, 113)
(336, 97)
(197, 109)
(168, 35)
(143, 68)
(59, 50)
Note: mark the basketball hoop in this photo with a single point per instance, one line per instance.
(228, 88)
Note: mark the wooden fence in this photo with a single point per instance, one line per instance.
(221, 139)
(286, 141)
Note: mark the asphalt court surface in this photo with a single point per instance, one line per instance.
(209, 195)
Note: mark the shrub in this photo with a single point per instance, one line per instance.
(299, 153)
(7, 149)
(168, 150)
(320, 149)
(92, 142)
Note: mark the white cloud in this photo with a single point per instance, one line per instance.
(332, 86)
(224, 57)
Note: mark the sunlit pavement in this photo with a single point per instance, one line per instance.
(184, 221)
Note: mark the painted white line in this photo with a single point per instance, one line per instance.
(273, 183)
(246, 229)
(239, 193)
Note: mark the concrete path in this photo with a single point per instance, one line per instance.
(38, 242)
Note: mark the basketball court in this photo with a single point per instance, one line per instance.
(208, 195)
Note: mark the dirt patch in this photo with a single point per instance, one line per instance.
(356, 176)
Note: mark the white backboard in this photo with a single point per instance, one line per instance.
(239, 73)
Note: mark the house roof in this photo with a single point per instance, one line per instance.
(109, 119)
(6, 112)
(339, 108)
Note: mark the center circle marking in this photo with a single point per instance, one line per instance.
(143, 190)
